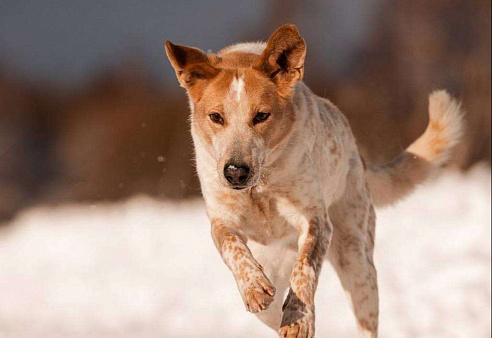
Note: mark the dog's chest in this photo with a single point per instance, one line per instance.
(262, 221)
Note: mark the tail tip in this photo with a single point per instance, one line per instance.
(446, 123)
(441, 104)
(445, 109)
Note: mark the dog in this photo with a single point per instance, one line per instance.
(284, 184)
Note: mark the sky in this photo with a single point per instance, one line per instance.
(65, 41)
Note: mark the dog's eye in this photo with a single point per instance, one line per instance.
(216, 118)
(261, 117)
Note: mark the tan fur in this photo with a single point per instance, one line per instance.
(307, 197)
(392, 182)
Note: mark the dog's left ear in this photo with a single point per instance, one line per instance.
(192, 67)
(283, 59)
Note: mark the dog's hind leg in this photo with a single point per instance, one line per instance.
(351, 254)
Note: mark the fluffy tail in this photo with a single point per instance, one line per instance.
(394, 181)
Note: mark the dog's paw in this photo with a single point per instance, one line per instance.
(298, 319)
(297, 325)
(258, 293)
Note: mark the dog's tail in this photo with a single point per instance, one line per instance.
(394, 181)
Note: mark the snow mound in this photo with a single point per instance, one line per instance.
(147, 269)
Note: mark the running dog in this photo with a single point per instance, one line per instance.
(284, 184)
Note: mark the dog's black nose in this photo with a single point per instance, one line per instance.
(236, 175)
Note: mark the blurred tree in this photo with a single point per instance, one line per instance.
(421, 46)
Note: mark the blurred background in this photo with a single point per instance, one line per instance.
(91, 114)
(90, 108)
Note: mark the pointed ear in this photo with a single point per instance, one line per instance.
(283, 58)
(191, 64)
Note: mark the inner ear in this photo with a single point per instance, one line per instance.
(282, 61)
(282, 64)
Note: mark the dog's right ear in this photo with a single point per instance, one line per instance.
(283, 59)
(191, 64)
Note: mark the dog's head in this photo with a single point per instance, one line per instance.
(241, 101)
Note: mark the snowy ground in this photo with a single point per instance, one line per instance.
(148, 269)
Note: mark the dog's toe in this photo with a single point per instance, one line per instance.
(258, 295)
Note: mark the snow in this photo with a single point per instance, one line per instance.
(143, 268)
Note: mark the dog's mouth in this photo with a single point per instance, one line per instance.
(239, 187)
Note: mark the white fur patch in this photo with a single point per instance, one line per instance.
(237, 87)
(248, 47)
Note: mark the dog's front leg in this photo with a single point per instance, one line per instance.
(298, 318)
(255, 288)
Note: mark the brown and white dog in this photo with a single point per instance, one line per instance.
(284, 184)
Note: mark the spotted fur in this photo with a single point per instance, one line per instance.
(307, 199)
